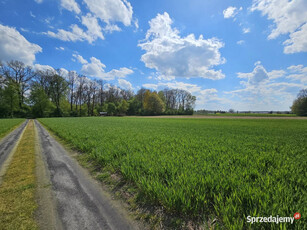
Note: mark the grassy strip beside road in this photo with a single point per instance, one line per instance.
(7, 125)
(17, 191)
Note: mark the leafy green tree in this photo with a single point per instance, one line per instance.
(8, 99)
(111, 108)
(123, 107)
(153, 103)
(42, 106)
(299, 106)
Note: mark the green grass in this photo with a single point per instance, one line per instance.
(248, 115)
(202, 169)
(7, 125)
(17, 191)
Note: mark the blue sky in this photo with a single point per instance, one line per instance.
(245, 55)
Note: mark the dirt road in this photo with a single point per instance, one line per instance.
(80, 201)
(9, 142)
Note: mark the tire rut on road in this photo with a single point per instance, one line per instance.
(8, 143)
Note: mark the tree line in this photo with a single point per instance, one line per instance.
(25, 92)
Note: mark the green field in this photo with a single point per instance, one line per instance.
(202, 169)
(247, 115)
(6, 125)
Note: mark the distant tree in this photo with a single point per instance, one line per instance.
(42, 106)
(299, 106)
(231, 111)
(111, 108)
(8, 99)
(153, 103)
(123, 107)
(58, 89)
(20, 75)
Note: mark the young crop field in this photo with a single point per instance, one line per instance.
(7, 125)
(223, 169)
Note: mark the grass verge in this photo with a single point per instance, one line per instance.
(17, 191)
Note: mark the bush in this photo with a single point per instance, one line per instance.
(299, 106)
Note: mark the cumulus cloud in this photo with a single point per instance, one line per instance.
(111, 10)
(38, 1)
(95, 68)
(93, 27)
(298, 73)
(289, 17)
(231, 12)
(192, 88)
(297, 41)
(78, 34)
(107, 12)
(71, 5)
(39, 67)
(172, 55)
(125, 84)
(14, 46)
(80, 58)
(240, 42)
(264, 90)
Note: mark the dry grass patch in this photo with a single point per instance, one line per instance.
(17, 191)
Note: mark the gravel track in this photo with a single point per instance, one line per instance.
(80, 201)
(8, 142)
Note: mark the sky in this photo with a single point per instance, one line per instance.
(244, 55)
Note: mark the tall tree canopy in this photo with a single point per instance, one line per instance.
(25, 92)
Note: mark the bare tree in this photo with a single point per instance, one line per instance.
(20, 75)
(72, 78)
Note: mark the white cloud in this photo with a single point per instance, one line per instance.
(71, 5)
(263, 90)
(111, 10)
(14, 46)
(246, 30)
(32, 15)
(172, 55)
(63, 72)
(136, 24)
(95, 68)
(93, 27)
(120, 73)
(111, 27)
(231, 12)
(298, 73)
(39, 67)
(192, 88)
(60, 48)
(241, 42)
(38, 1)
(125, 84)
(80, 58)
(297, 42)
(77, 34)
(290, 18)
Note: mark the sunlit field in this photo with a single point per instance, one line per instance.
(8, 124)
(226, 169)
